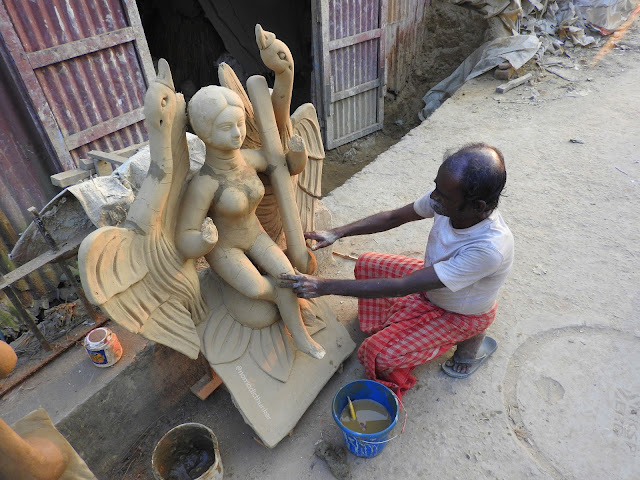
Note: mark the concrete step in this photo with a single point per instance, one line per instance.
(102, 411)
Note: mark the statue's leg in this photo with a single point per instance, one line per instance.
(269, 256)
(233, 266)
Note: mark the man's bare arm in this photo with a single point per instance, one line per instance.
(379, 222)
(307, 286)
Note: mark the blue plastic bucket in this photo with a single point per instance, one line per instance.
(365, 444)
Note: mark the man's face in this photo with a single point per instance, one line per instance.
(447, 199)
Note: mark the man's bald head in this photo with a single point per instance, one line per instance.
(481, 172)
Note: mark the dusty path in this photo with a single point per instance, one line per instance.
(560, 397)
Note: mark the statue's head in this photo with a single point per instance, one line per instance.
(217, 116)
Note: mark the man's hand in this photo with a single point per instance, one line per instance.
(304, 286)
(323, 238)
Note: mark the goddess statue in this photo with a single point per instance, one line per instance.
(143, 273)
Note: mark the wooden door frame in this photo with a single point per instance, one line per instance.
(322, 90)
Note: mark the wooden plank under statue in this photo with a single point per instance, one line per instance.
(273, 351)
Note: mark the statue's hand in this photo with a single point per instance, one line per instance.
(296, 143)
(297, 155)
(323, 238)
(192, 243)
(209, 232)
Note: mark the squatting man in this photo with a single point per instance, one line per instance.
(417, 310)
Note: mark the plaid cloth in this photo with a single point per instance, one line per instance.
(406, 331)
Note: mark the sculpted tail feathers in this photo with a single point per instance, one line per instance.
(171, 325)
(110, 260)
(142, 283)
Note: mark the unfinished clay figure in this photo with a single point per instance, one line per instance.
(8, 359)
(33, 449)
(228, 190)
(143, 275)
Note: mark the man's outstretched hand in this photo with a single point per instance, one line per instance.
(323, 238)
(304, 286)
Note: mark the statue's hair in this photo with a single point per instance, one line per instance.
(481, 171)
(207, 104)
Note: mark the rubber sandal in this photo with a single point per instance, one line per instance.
(489, 345)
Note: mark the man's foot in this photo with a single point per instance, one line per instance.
(466, 353)
(469, 355)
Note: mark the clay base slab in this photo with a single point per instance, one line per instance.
(273, 408)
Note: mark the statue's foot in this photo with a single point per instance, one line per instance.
(317, 351)
(311, 347)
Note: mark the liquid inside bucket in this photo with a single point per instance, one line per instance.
(187, 452)
(371, 417)
(364, 444)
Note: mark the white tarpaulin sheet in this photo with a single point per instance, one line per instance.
(517, 50)
(106, 199)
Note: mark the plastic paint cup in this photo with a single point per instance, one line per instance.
(103, 347)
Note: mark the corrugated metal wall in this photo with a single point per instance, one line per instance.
(354, 65)
(362, 48)
(405, 24)
(89, 63)
(25, 166)
(75, 74)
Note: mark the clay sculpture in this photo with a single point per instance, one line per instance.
(143, 274)
(8, 359)
(33, 449)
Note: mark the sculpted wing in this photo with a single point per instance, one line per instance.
(135, 274)
(308, 184)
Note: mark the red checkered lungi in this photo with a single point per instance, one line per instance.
(407, 331)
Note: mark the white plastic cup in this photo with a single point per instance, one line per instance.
(103, 347)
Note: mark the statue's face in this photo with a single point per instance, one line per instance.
(229, 129)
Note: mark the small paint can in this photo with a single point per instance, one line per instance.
(103, 347)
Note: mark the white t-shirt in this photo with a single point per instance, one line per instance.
(472, 262)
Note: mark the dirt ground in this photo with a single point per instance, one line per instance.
(452, 34)
(558, 399)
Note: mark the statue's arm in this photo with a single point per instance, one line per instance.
(297, 155)
(196, 235)
(256, 158)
